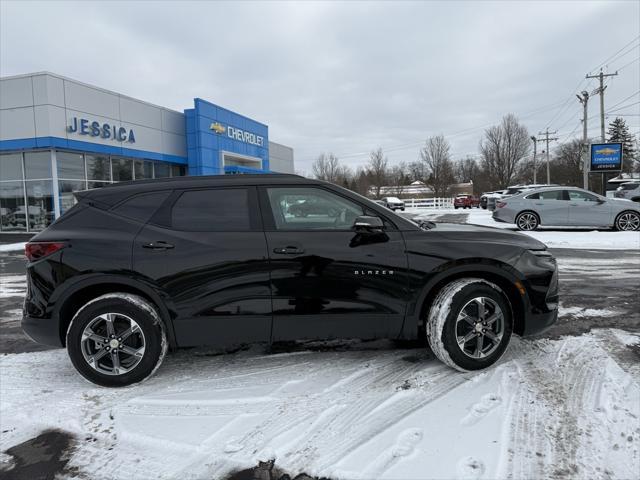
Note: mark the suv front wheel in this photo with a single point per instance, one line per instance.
(116, 340)
(469, 324)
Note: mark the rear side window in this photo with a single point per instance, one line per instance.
(533, 196)
(551, 195)
(141, 207)
(212, 210)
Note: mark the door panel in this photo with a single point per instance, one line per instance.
(585, 210)
(217, 281)
(552, 207)
(333, 283)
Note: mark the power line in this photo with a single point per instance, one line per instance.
(612, 57)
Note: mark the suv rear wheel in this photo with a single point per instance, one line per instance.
(116, 340)
(469, 324)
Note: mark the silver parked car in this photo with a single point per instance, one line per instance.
(567, 206)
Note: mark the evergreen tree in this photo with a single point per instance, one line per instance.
(619, 133)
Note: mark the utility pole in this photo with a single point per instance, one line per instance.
(547, 139)
(584, 100)
(600, 91)
(535, 167)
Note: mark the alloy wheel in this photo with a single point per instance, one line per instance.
(479, 327)
(628, 221)
(112, 343)
(527, 221)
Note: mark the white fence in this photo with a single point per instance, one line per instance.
(428, 202)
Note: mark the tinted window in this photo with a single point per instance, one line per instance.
(141, 207)
(213, 210)
(576, 195)
(551, 195)
(311, 208)
(533, 196)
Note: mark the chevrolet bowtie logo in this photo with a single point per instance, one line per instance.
(216, 127)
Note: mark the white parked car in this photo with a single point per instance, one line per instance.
(393, 203)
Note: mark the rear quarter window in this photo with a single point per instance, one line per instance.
(142, 206)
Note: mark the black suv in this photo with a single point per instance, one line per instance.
(138, 268)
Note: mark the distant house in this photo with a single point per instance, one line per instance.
(418, 189)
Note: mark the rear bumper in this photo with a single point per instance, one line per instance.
(42, 330)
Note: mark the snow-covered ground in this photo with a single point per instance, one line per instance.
(553, 237)
(566, 408)
(12, 247)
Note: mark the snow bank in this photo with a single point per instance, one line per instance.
(551, 408)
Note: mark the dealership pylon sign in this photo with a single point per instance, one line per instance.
(606, 157)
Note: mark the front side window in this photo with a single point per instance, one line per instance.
(578, 196)
(309, 208)
(212, 210)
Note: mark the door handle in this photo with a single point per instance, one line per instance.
(160, 245)
(288, 250)
(539, 203)
(573, 204)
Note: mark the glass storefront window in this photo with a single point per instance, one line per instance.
(37, 165)
(177, 170)
(144, 169)
(66, 189)
(98, 167)
(97, 184)
(121, 169)
(162, 170)
(70, 165)
(11, 206)
(11, 166)
(39, 212)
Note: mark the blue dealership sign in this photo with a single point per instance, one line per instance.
(606, 157)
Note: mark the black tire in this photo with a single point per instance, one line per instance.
(628, 221)
(149, 333)
(455, 207)
(402, 208)
(443, 326)
(527, 221)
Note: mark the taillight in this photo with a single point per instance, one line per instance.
(37, 250)
(501, 204)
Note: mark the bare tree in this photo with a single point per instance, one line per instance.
(438, 165)
(417, 171)
(502, 149)
(398, 178)
(327, 168)
(378, 170)
(467, 169)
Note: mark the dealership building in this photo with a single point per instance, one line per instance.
(58, 136)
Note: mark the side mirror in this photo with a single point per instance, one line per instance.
(365, 223)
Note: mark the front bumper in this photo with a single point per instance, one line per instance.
(539, 322)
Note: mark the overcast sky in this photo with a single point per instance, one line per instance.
(343, 77)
